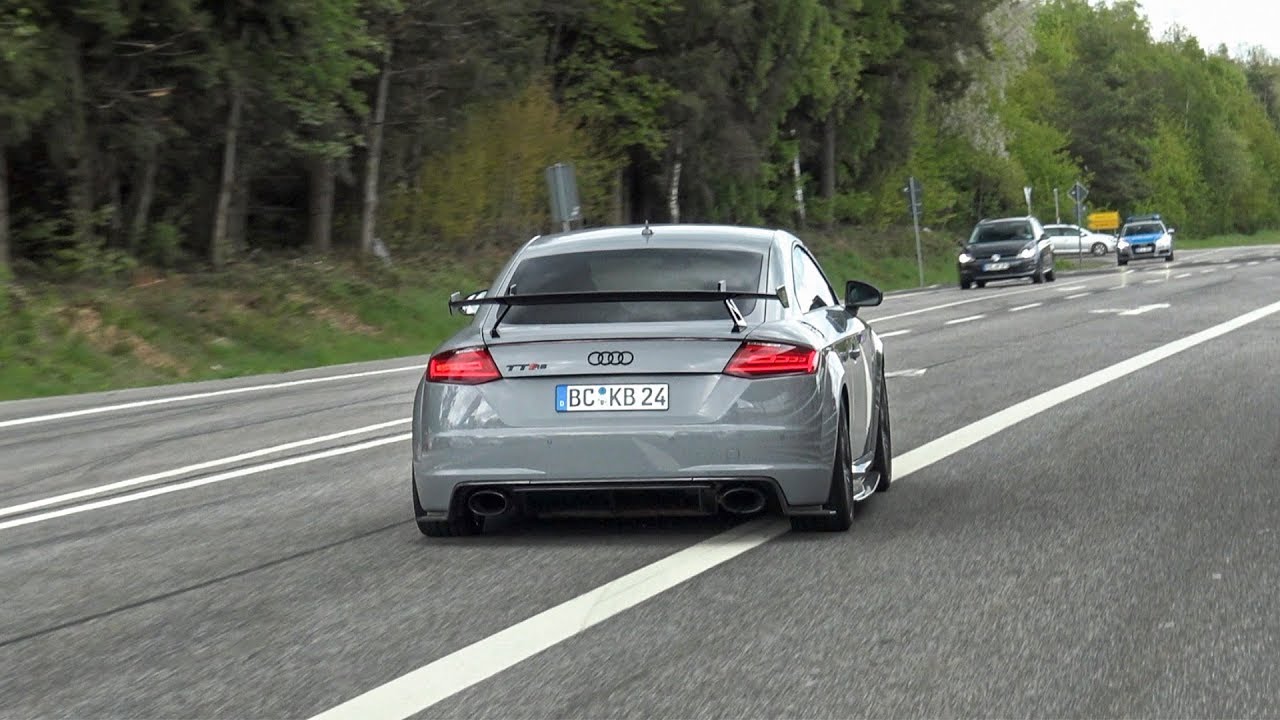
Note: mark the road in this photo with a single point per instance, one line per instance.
(1087, 524)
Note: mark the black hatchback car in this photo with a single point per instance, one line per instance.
(1006, 249)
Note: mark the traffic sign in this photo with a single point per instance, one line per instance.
(1078, 193)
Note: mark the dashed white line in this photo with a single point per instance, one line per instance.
(1152, 282)
(201, 396)
(1183, 275)
(971, 318)
(1077, 295)
(188, 469)
(419, 689)
(895, 333)
(1020, 308)
(1251, 263)
(1210, 270)
(1069, 288)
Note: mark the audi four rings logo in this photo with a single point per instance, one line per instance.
(610, 358)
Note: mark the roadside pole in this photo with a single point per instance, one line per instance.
(913, 191)
(1057, 209)
(1078, 193)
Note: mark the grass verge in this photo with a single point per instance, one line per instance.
(282, 314)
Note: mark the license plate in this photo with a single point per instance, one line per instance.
(1143, 249)
(992, 267)
(600, 398)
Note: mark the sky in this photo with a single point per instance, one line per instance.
(1234, 22)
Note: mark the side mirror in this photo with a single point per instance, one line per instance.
(858, 294)
(467, 309)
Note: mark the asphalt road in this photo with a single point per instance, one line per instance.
(249, 553)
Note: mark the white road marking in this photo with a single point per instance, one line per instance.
(188, 469)
(1210, 270)
(419, 689)
(1232, 266)
(907, 373)
(1153, 282)
(895, 333)
(1251, 263)
(1135, 311)
(201, 396)
(981, 297)
(1020, 308)
(1183, 275)
(198, 482)
(1077, 295)
(971, 318)
(1069, 288)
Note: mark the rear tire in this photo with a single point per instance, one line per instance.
(460, 523)
(840, 497)
(1098, 249)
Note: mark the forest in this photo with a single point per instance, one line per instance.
(181, 134)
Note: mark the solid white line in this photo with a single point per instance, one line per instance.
(188, 469)
(895, 333)
(419, 689)
(1077, 295)
(229, 475)
(971, 318)
(201, 396)
(1020, 308)
(1183, 275)
(953, 442)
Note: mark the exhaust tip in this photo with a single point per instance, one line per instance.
(488, 503)
(742, 500)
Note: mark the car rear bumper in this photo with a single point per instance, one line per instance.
(790, 464)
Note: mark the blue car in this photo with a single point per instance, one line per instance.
(1144, 237)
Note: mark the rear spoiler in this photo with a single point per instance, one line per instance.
(728, 297)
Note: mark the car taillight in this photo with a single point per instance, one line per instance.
(756, 359)
(468, 366)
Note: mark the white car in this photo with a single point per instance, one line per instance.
(1073, 239)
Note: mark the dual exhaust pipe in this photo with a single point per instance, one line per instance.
(738, 500)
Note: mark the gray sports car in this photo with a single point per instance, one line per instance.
(669, 370)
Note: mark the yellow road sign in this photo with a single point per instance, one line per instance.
(1104, 221)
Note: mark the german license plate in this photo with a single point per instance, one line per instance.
(601, 398)
(992, 267)
(1143, 248)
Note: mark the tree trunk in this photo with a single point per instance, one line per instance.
(80, 189)
(218, 244)
(4, 216)
(619, 197)
(673, 189)
(146, 190)
(829, 157)
(238, 225)
(373, 163)
(320, 228)
(798, 179)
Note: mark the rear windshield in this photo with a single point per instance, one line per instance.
(1002, 232)
(1143, 229)
(634, 270)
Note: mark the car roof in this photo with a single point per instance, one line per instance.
(1016, 218)
(726, 237)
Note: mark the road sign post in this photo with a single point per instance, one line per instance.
(1027, 192)
(913, 191)
(1078, 193)
(1057, 208)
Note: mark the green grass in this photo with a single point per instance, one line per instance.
(1266, 237)
(282, 314)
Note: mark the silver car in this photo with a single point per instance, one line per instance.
(670, 370)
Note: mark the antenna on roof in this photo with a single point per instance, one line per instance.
(647, 231)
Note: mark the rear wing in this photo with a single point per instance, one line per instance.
(728, 297)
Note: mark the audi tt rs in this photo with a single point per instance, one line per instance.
(668, 370)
